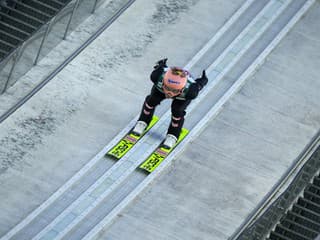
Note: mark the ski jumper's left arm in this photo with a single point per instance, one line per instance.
(195, 87)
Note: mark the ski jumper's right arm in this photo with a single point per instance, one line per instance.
(158, 70)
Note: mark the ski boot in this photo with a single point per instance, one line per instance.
(170, 141)
(139, 128)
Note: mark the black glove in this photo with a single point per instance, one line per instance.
(203, 80)
(161, 63)
(204, 76)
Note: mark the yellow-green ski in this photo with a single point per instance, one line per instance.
(128, 141)
(160, 154)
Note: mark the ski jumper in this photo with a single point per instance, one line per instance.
(179, 103)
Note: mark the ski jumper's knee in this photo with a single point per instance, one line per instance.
(146, 113)
(148, 108)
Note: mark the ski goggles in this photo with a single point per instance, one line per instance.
(179, 72)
